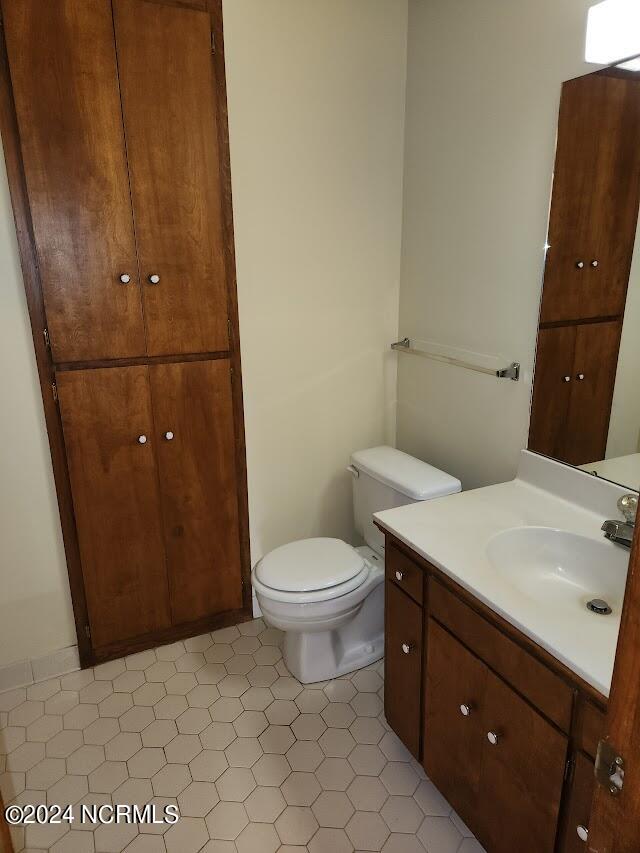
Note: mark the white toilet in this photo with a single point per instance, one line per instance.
(326, 595)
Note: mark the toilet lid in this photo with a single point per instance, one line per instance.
(309, 565)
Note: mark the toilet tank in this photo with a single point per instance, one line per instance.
(384, 478)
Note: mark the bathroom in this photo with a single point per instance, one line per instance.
(391, 168)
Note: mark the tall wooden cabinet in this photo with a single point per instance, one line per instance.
(113, 117)
(592, 233)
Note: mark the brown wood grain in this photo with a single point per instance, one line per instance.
(596, 193)
(63, 70)
(116, 500)
(166, 77)
(6, 845)
(551, 393)
(198, 486)
(588, 727)
(402, 699)
(522, 775)
(453, 743)
(578, 805)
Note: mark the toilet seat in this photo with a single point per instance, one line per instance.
(310, 570)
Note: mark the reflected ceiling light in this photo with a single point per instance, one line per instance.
(613, 31)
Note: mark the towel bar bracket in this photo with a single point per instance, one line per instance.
(511, 372)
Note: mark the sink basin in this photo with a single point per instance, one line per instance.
(556, 568)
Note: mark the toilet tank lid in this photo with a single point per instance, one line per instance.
(406, 474)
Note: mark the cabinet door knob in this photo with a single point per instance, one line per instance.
(465, 710)
(154, 278)
(406, 648)
(493, 738)
(142, 439)
(125, 278)
(583, 832)
(580, 377)
(580, 265)
(169, 435)
(566, 379)
(594, 264)
(399, 576)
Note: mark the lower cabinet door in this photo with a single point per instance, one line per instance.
(523, 766)
(193, 415)
(110, 442)
(403, 667)
(453, 733)
(578, 810)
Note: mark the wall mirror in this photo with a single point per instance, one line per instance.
(586, 394)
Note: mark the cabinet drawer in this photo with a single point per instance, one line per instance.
(578, 808)
(589, 728)
(404, 572)
(543, 688)
(403, 666)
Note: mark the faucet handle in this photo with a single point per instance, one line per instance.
(628, 506)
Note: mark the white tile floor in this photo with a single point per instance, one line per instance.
(255, 762)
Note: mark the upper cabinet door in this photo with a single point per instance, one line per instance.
(166, 78)
(598, 160)
(196, 461)
(65, 83)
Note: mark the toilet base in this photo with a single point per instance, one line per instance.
(321, 656)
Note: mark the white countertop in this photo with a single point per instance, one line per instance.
(452, 533)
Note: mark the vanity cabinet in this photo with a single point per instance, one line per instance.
(505, 732)
(115, 134)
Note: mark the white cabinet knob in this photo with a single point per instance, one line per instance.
(142, 439)
(594, 264)
(566, 379)
(580, 265)
(125, 278)
(580, 377)
(399, 576)
(154, 279)
(169, 435)
(465, 710)
(406, 648)
(583, 832)
(492, 737)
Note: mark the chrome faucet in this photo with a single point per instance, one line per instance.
(621, 532)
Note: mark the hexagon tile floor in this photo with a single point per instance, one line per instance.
(255, 762)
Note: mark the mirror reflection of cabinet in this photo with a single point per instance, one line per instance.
(592, 233)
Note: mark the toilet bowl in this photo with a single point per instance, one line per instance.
(328, 596)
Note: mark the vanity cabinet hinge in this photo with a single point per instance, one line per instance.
(54, 391)
(609, 768)
(47, 339)
(568, 769)
(213, 42)
(87, 630)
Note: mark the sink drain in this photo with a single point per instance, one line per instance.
(597, 605)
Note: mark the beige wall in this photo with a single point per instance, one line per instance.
(316, 100)
(482, 99)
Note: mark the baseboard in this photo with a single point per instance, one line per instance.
(25, 672)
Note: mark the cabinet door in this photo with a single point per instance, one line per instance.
(596, 359)
(166, 75)
(595, 199)
(453, 735)
(196, 458)
(403, 666)
(116, 501)
(554, 379)
(578, 808)
(63, 69)
(522, 774)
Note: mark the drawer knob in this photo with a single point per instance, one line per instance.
(580, 265)
(465, 710)
(125, 278)
(399, 576)
(406, 648)
(566, 379)
(493, 738)
(580, 377)
(142, 439)
(594, 263)
(154, 278)
(583, 832)
(168, 436)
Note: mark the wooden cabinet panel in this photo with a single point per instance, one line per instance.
(198, 486)
(596, 358)
(116, 500)
(595, 198)
(578, 807)
(522, 775)
(551, 391)
(65, 85)
(404, 572)
(453, 741)
(166, 77)
(403, 671)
